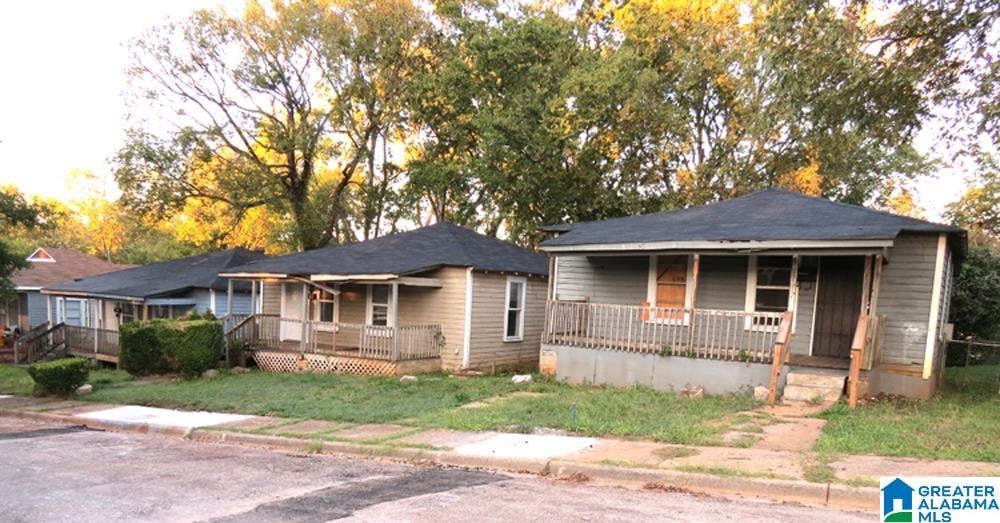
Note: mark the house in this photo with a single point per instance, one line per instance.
(702, 296)
(437, 297)
(167, 289)
(49, 265)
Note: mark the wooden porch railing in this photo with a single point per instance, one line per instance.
(365, 341)
(38, 342)
(868, 336)
(91, 342)
(701, 333)
(782, 351)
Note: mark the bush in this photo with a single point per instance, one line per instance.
(160, 346)
(61, 376)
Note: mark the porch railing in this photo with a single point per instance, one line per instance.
(272, 332)
(700, 333)
(867, 342)
(38, 342)
(88, 341)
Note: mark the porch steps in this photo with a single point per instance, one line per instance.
(810, 385)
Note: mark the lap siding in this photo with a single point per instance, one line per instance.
(487, 347)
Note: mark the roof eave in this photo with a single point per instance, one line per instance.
(718, 245)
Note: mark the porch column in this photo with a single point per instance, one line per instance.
(253, 296)
(394, 320)
(48, 309)
(876, 283)
(304, 316)
(98, 309)
(229, 296)
(695, 268)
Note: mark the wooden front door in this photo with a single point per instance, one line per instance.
(838, 303)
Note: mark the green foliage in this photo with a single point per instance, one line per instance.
(975, 304)
(155, 347)
(16, 212)
(60, 376)
(979, 208)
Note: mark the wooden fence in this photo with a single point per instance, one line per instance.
(701, 333)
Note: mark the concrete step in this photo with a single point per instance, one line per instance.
(807, 394)
(831, 380)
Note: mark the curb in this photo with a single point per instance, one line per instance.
(825, 494)
(822, 494)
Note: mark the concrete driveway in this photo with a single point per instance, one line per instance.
(58, 473)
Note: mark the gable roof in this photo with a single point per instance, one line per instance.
(439, 245)
(768, 215)
(159, 279)
(58, 265)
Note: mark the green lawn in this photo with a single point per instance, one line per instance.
(633, 412)
(14, 380)
(959, 423)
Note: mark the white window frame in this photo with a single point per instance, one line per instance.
(751, 294)
(370, 305)
(688, 290)
(506, 308)
(61, 310)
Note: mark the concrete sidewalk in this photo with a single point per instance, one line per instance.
(772, 473)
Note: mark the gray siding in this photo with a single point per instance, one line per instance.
(618, 280)
(271, 304)
(37, 313)
(905, 298)
(241, 302)
(802, 333)
(722, 283)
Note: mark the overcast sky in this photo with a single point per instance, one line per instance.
(61, 106)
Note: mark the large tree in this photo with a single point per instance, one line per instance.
(16, 212)
(284, 106)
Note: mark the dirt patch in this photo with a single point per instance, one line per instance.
(494, 399)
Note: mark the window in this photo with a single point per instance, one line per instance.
(126, 313)
(164, 312)
(379, 304)
(324, 306)
(770, 281)
(668, 286)
(513, 321)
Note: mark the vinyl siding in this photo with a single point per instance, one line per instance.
(722, 283)
(37, 313)
(444, 306)
(271, 303)
(241, 302)
(487, 348)
(905, 298)
(353, 303)
(804, 318)
(619, 280)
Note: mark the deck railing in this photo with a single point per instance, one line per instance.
(865, 346)
(365, 341)
(700, 333)
(88, 341)
(37, 342)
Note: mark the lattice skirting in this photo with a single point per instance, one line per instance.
(274, 361)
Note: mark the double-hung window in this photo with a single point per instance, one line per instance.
(513, 322)
(379, 302)
(325, 304)
(771, 280)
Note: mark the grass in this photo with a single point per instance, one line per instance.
(354, 399)
(727, 471)
(956, 424)
(675, 452)
(634, 412)
(15, 380)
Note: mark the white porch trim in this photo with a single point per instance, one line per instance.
(932, 320)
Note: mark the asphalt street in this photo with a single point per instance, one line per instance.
(57, 473)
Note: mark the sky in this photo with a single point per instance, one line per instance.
(62, 108)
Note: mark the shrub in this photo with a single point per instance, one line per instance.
(61, 376)
(159, 346)
(198, 346)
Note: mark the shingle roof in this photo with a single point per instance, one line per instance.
(439, 245)
(66, 265)
(771, 214)
(159, 279)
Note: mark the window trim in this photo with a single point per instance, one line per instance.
(370, 306)
(506, 308)
(751, 292)
(688, 289)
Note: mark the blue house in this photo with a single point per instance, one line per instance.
(169, 289)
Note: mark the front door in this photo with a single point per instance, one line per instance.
(838, 303)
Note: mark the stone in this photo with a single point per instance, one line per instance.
(407, 378)
(85, 389)
(522, 378)
(693, 392)
(239, 370)
(210, 373)
(761, 393)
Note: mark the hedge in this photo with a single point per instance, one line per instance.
(162, 346)
(60, 376)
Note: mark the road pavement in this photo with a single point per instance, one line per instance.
(59, 473)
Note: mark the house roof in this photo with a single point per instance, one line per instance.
(768, 215)
(159, 279)
(443, 244)
(51, 265)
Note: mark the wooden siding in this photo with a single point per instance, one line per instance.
(487, 347)
(443, 306)
(905, 298)
(619, 280)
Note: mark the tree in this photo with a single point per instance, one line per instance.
(975, 304)
(15, 212)
(979, 208)
(260, 103)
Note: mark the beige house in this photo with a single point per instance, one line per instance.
(439, 297)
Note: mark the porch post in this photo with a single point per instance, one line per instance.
(253, 296)
(876, 283)
(305, 316)
(229, 296)
(98, 308)
(394, 320)
(866, 286)
(48, 309)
